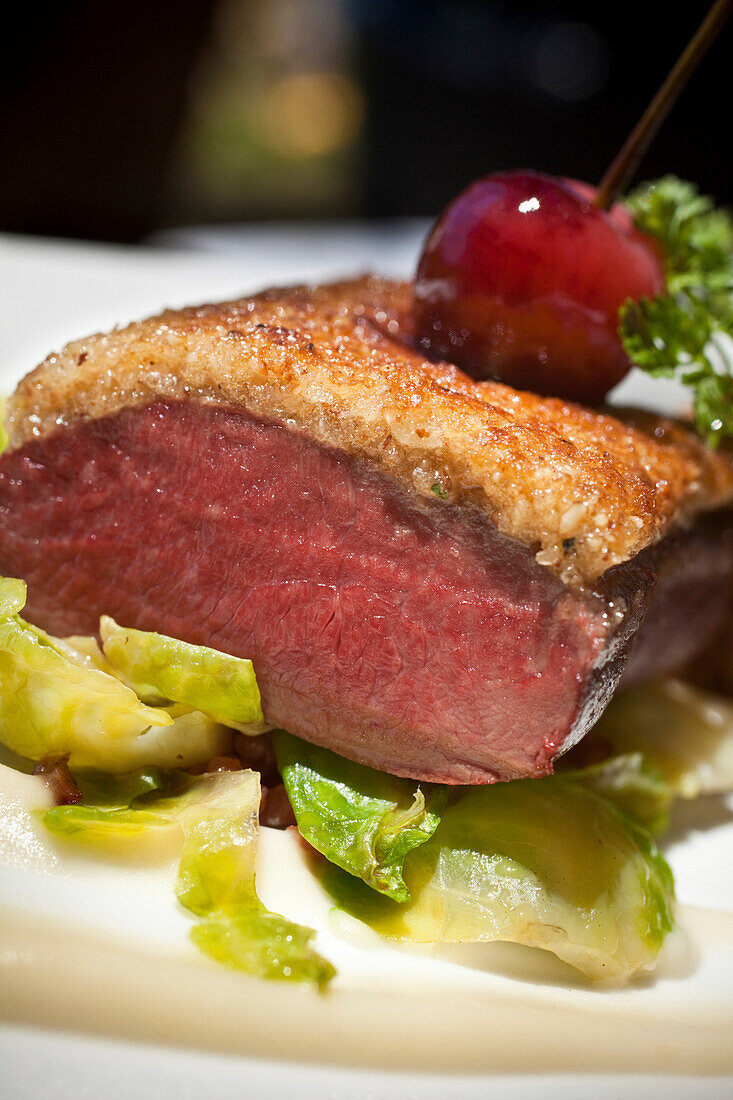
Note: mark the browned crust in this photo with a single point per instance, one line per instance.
(589, 490)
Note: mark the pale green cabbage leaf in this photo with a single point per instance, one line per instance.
(631, 782)
(548, 863)
(104, 811)
(53, 701)
(362, 820)
(12, 597)
(541, 862)
(218, 817)
(684, 734)
(161, 668)
(262, 943)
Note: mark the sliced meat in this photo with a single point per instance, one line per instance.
(584, 489)
(402, 632)
(712, 667)
(690, 583)
(437, 577)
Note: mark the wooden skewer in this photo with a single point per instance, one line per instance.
(622, 170)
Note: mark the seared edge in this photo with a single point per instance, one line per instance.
(586, 489)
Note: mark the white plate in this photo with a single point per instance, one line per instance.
(480, 1017)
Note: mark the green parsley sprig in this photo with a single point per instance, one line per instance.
(687, 333)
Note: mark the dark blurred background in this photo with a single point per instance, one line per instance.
(119, 120)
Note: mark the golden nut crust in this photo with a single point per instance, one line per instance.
(589, 490)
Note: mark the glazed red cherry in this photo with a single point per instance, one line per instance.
(521, 280)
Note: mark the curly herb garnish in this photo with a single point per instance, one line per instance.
(688, 333)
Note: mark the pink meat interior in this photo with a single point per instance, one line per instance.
(403, 633)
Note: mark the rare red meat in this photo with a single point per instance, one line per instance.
(439, 577)
(402, 632)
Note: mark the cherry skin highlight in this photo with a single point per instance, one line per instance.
(521, 280)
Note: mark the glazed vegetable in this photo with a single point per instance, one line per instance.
(684, 734)
(543, 862)
(216, 817)
(159, 668)
(105, 806)
(362, 820)
(546, 863)
(633, 784)
(54, 701)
